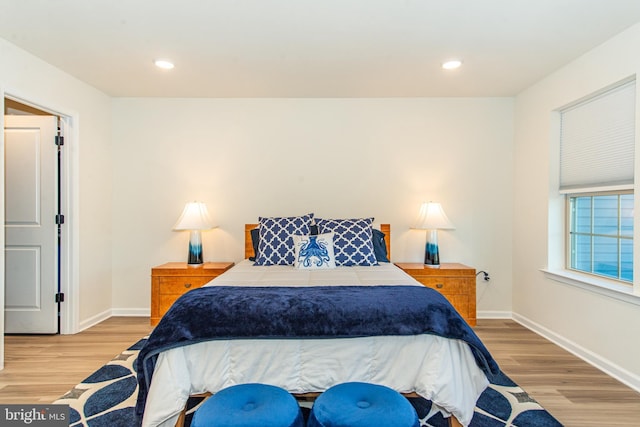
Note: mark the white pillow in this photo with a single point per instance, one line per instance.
(314, 251)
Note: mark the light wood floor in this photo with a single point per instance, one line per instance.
(40, 369)
(573, 391)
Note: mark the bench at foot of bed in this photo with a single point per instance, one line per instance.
(306, 397)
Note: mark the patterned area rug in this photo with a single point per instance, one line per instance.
(108, 396)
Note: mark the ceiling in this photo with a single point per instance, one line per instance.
(312, 48)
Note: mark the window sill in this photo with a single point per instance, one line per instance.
(599, 285)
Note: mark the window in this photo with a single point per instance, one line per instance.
(597, 148)
(601, 234)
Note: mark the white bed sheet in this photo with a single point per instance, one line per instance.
(246, 274)
(439, 369)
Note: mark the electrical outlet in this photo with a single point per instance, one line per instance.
(485, 275)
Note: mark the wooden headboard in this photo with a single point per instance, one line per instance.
(248, 246)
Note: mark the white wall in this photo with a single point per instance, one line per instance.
(333, 157)
(599, 328)
(89, 154)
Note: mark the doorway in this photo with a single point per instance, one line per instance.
(33, 219)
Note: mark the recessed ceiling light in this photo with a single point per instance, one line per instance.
(164, 64)
(451, 64)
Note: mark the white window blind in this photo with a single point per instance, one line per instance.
(597, 141)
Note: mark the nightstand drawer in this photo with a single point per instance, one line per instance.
(446, 285)
(180, 285)
(456, 282)
(170, 280)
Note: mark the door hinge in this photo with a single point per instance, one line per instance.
(59, 140)
(59, 219)
(60, 297)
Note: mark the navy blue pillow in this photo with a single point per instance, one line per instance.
(255, 239)
(379, 246)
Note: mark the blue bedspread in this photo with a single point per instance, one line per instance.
(319, 312)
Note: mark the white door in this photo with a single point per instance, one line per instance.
(31, 191)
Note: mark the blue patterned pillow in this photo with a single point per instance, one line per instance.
(276, 238)
(353, 240)
(314, 252)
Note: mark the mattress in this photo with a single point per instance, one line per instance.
(439, 369)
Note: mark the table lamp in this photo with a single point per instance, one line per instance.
(432, 218)
(194, 218)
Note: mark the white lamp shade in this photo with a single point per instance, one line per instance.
(432, 217)
(194, 217)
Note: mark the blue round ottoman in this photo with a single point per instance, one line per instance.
(249, 405)
(362, 405)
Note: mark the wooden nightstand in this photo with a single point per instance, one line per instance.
(170, 280)
(456, 282)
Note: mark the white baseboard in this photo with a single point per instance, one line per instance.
(494, 315)
(131, 312)
(626, 377)
(116, 312)
(94, 320)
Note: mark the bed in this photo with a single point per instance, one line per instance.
(399, 350)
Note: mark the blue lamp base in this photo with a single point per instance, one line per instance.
(431, 252)
(195, 248)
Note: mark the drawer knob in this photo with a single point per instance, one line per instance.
(187, 285)
(439, 285)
